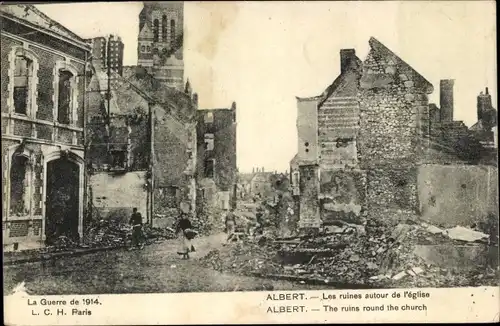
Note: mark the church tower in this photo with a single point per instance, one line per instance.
(161, 41)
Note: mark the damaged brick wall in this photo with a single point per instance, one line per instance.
(338, 121)
(38, 124)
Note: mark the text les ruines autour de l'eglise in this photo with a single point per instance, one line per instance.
(414, 295)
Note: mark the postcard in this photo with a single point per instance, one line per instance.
(249, 162)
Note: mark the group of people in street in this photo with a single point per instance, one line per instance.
(183, 229)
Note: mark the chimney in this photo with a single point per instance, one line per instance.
(483, 105)
(253, 170)
(262, 169)
(446, 99)
(346, 57)
(195, 100)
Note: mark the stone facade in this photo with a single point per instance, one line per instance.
(393, 126)
(42, 92)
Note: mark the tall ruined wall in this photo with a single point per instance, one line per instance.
(393, 121)
(223, 129)
(172, 149)
(451, 195)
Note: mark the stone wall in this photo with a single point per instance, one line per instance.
(309, 190)
(451, 195)
(343, 194)
(393, 125)
(392, 188)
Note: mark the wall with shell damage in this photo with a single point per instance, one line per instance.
(452, 195)
(343, 195)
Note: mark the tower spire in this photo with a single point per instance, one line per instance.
(161, 41)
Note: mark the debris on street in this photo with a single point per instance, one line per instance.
(376, 254)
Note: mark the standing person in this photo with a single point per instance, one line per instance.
(185, 232)
(230, 224)
(136, 222)
(259, 216)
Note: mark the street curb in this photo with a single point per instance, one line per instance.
(50, 256)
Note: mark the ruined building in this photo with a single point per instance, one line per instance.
(216, 162)
(452, 140)
(43, 87)
(370, 145)
(161, 41)
(142, 139)
(484, 128)
(107, 53)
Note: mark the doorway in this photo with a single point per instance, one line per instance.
(62, 200)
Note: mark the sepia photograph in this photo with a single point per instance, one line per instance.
(242, 146)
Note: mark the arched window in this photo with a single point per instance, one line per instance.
(164, 29)
(23, 72)
(156, 29)
(143, 48)
(65, 93)
(148, 48)
(19, 185)
(172, 33)
(64, 103)
(23, 81)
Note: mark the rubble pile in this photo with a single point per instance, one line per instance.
(244, 258)
(208, 219)
(376, 254)
(106, 234)
(152, 233)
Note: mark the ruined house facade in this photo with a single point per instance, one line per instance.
(142, 146)
(216, 162)
(43, 87)
(364, 141)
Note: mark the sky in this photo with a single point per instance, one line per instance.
(263, 54)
